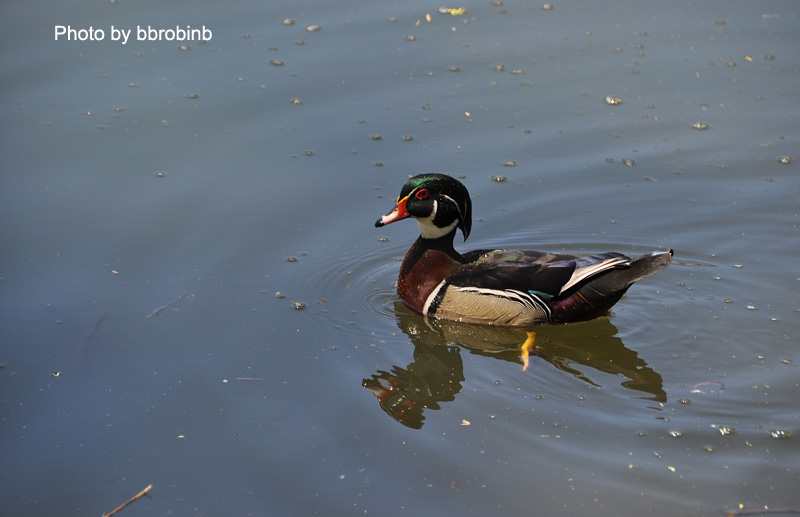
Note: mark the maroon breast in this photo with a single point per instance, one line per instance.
(423, 276)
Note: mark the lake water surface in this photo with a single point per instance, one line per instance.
(194, 295)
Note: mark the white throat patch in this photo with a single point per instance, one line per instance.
(428, 230)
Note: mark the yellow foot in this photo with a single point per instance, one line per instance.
(525, 350)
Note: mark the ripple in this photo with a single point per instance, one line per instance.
(381, 301)
(354, 290)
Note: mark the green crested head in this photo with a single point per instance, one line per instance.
(439, 203)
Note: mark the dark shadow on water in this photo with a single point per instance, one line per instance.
(436, 372)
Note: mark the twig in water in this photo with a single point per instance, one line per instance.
(96, 326)
(765, 511)
(28, 499)
(129, 501)
(165, 306)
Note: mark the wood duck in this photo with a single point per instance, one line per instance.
(511, 288)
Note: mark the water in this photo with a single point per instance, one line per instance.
(228, 400)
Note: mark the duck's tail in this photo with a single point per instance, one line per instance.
(598, 294)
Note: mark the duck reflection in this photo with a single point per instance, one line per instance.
(436, 372)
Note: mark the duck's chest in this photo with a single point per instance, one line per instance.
(421, 273)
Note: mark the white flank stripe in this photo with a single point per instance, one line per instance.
(432, 297)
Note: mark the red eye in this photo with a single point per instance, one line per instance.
(422, 194)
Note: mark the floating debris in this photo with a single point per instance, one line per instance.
(411, 37)
(726, 430)
(499, 179)
(547, 7)
(298, 306)
(192, 96)
(183, 47)
(279, 294)
(313, 28)
(499, 68)
(408, 138)
(287, 21)
(611, 100)
(700, 125)
(291, 259)
(376, 137)
(718, 384)
(786, 160)
(276, 62)
(780, 434)
(455, 11)
(161, 174)
(509, 163)
(630, 162)
(296, 101)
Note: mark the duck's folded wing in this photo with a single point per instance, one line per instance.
(548, 274)
(546, 279)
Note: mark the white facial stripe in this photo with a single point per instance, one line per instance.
(458, 207)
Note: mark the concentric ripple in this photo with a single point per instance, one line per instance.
(351, 289)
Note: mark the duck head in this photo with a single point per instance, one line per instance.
(439, 203)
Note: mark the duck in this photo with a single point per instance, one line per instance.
(503, 287)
